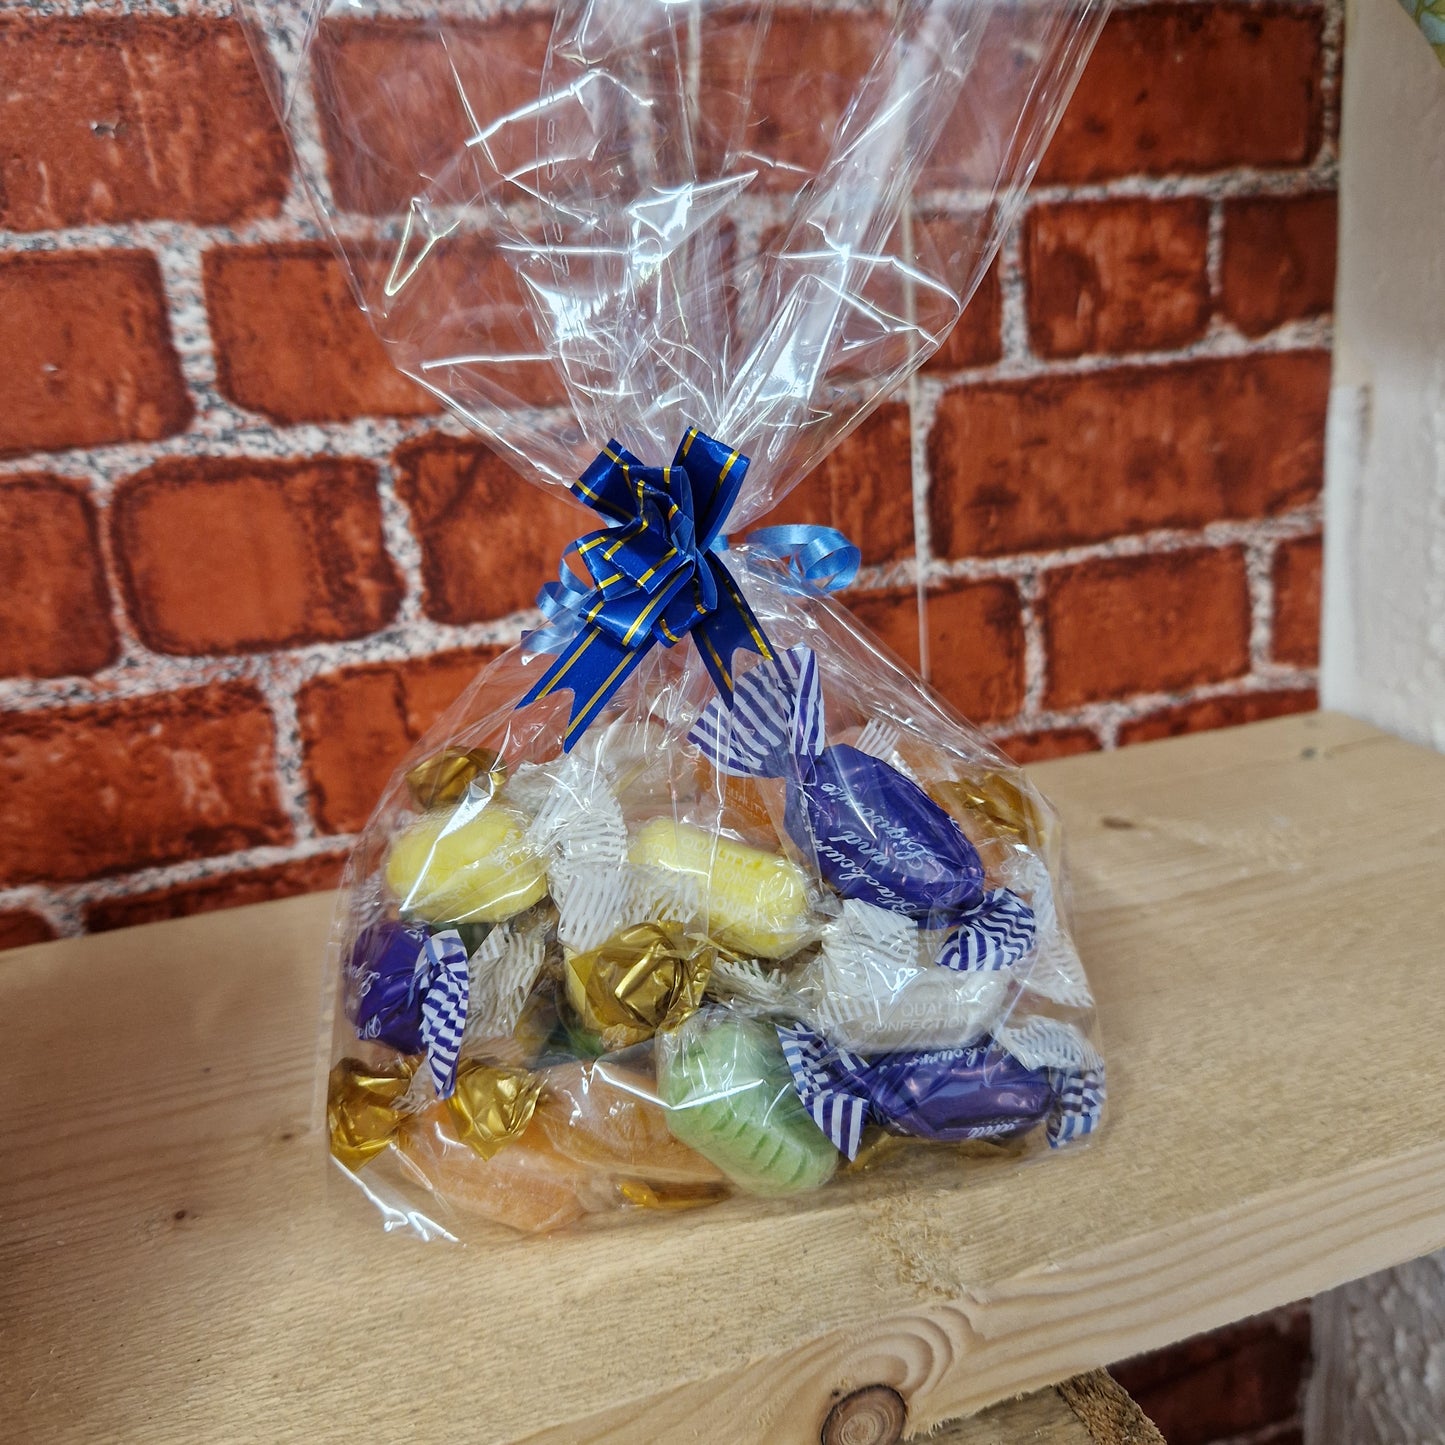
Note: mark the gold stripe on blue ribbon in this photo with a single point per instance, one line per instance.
(655, 576)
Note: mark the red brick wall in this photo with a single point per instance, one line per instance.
(243, 559)
(1242, 1385)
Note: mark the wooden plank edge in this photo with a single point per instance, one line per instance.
(959, 1356)
(1107, 1411)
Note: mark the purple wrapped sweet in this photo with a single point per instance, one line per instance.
(384, 987)
(947, 1095)
(874, 834)
(955, 1094)
(878, 836)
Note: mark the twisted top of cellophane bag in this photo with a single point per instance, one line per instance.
(620, 218)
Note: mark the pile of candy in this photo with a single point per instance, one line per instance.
(586, 985)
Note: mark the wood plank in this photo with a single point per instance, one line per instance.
(1108, 1414)
(1038, 1419)
(1088, 1410)
(1259, 911)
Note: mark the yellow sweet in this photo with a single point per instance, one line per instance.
(463, 866)
(755, 902)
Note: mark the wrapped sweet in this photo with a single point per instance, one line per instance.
(696, 884)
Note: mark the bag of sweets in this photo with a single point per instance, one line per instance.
(698, 891)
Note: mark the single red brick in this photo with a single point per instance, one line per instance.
(291, 342)
(1192, 88)
(976, 648)
(390, 99)
(950, 253)
(1125, 275)
(863, 487)
(1217, 712)
(892, 614)
(88, 351)
(1226, 1384)
(489, 539)
(801, 79)
(94, 790)
(1057, 460)
(1297, 587)
(981, 146)
(1123, 625)
(976, 340)
(316, 874)
(1038, 747)
(19, 927)
(357, 725)
(54, 606)
(239, 555)
(1279, 260)
(131, 118)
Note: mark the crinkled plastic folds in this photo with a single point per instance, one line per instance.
(708, 951)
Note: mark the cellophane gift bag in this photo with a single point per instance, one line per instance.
(697, 892)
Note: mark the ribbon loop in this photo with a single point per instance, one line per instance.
(820, 558)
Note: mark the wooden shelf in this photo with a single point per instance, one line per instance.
(1260, 912)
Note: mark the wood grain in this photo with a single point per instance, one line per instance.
(1259, 911)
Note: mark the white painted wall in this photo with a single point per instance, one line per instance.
(1380, 1342)
(1384, 647)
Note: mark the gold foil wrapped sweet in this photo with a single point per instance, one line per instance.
(445, 776)
(643, 979)
(361, 1107)
(492, 1105)
(999, 799)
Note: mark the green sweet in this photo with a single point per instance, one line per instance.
(730, 1097)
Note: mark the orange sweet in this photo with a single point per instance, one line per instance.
(526, 1185)
(610, 1120)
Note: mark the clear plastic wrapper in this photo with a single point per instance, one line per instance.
(698, 892)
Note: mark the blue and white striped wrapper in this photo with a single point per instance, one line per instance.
(444, 1011)
(1080, 1106)
(815, 1065)
(1075, 1067)
(871, 832)
(1045, 1073)
(996, 933)
(776, 709)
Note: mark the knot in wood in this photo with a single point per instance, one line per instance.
(874, 1415)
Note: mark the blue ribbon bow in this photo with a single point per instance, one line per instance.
(655, 576)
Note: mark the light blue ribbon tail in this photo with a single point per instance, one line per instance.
(817, 558)
(657, 574)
